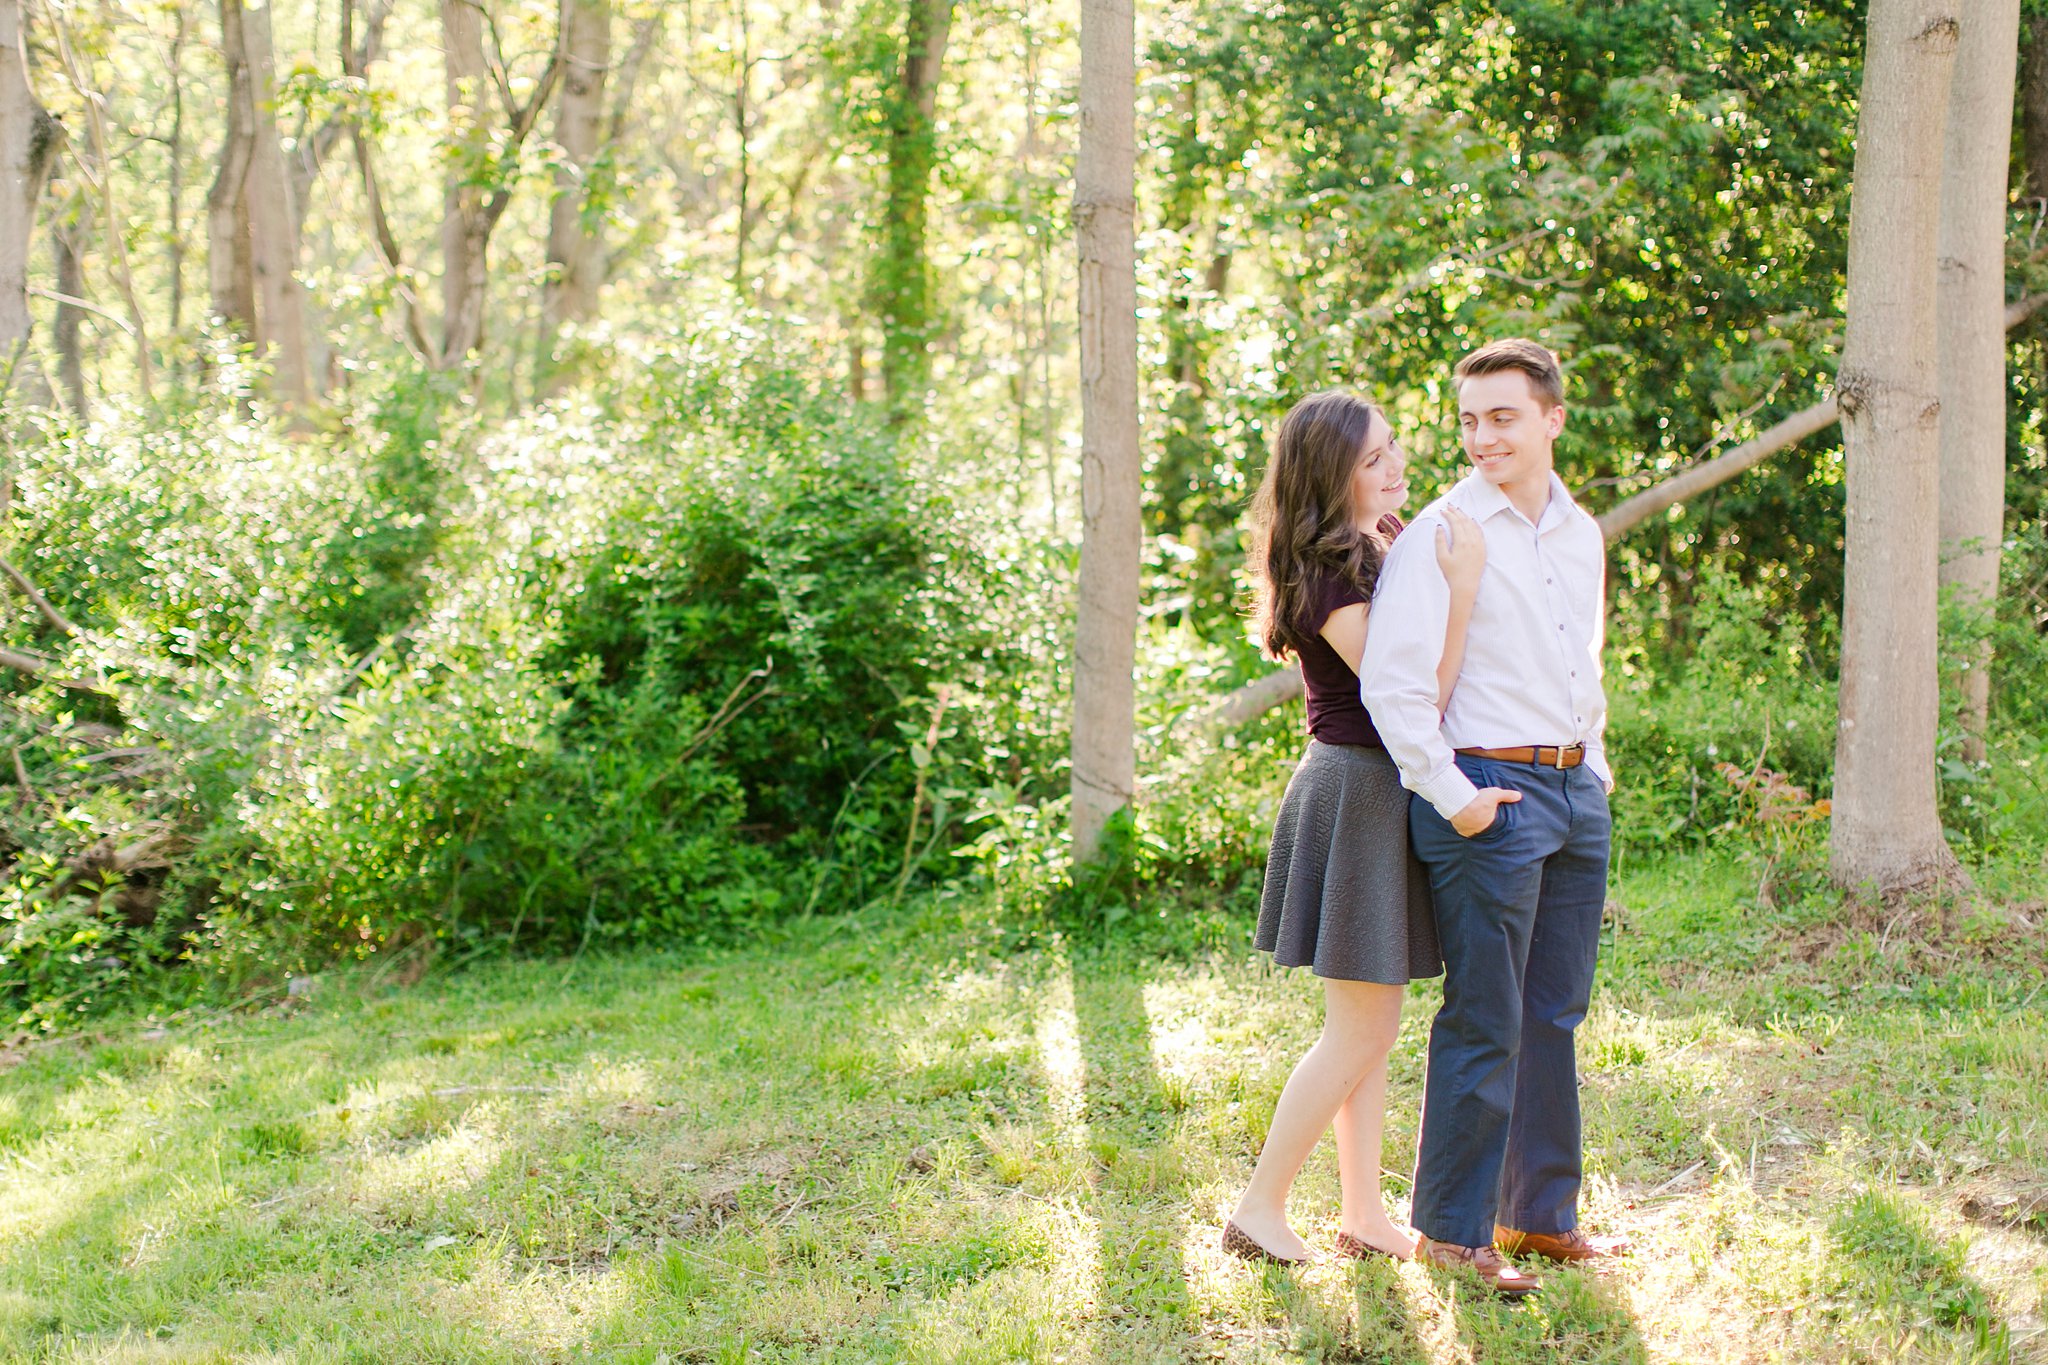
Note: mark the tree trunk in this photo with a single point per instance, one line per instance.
(65, 240)
(273, 224)
(1887, 832)
(2034, 109)
(174, 187)
(1105, 645)
(29, 142)
(464, 231)
(478, 187)
(230, 276)
(904, 284)
(1970, 340)
(576, 260)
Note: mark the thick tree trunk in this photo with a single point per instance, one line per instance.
(1970, 339)
(576, 259)
(273, 224)
(465, 233)
(904, 286)
(231, 278)
(29, 142)
(1886, 833)
(2034, 108)
(1104, 776)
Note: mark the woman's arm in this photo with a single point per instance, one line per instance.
(1345, 630)
(1461, 554)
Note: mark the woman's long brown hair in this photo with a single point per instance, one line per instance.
(1303, 531)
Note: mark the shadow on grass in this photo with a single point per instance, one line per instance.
(1579, 1317)
(1140, 1208)
(1891, 1258)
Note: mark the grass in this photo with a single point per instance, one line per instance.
(888, 1140)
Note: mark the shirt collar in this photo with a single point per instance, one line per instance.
(1484, 500)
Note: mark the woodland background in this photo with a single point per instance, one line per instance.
(544, 548)
(533, 476)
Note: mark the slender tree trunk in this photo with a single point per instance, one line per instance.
(576, 260)
(1105, 644)
(1970, 339)
(174, 188)
(273, 224)
(65, 242)
(29, 142)
(230, 276)
(1887, 832)
(904, 283)
(464, 233)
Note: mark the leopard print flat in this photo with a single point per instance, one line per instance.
(1237, 1242)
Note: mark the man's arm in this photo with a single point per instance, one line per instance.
(1397, 675)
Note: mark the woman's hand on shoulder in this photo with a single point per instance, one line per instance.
(1460, 550)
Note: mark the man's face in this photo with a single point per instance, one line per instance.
(1508, 432)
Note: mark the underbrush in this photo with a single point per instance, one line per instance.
(675, 657)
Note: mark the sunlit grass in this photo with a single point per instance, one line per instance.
(881, 1141)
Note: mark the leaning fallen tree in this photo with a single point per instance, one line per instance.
(1263, 693)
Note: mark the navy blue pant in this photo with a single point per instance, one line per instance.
(1518, 909)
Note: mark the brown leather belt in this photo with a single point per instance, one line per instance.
(1543, 755)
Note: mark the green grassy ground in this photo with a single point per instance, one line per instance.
(885, 1140)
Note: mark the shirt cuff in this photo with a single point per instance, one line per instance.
(1450, 791)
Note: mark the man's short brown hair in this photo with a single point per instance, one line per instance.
(1546, 377)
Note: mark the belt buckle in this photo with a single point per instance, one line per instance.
(1559, 763)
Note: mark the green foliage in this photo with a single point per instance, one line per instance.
(1741, 734)
(648, 669)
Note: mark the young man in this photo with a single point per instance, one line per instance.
(1509, 814)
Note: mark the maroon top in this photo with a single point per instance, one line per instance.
(1336, 712)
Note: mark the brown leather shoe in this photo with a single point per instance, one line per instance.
(1489, 1265)
(1239, 1243)
(1569, 1247)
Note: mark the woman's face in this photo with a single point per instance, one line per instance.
(1379, 483)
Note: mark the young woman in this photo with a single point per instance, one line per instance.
(1344, 894)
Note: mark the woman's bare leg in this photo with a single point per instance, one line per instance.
(1360, 1022)
(1360, 1121)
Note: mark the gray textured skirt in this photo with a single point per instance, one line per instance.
(1345, 894)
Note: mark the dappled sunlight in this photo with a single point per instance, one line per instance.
(1060, 1061)
(549, 1310)
(396, 1183)
(603, 1082)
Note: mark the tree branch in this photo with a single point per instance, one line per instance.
(41, 603)
(1262, 694)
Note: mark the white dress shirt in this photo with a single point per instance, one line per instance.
(1532, 654)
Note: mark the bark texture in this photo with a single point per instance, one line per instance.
(1970, 336)
(273, 223)
(576, 256)
(1886, 834)
(464, 232)
(905, 273)
(1104, 740)
(29, 142)
(66, 247)
(478, 186)
(230, 277)
(2034, 109)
